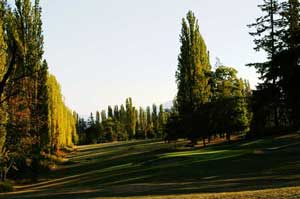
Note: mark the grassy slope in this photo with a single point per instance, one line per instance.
(152, 169)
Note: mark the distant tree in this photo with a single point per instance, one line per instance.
(98, 119)
(110, 112)
(155, 120)
(161, 121)
(103, 115)
(142, 124)
(149, 127)
(116, 113)
(131, 118)
(109, 133)
(123, 116)
(91, 120)
(92, 131)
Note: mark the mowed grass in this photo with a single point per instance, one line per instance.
(267, 168)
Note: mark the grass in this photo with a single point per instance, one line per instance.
(268, 168)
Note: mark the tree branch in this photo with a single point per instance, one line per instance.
(9, 70)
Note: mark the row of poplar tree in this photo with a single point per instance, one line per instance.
(121, 123)
(211, 103)
(33, 116)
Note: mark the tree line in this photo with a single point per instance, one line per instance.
(216, 102)
(122, 123)
(34, 120)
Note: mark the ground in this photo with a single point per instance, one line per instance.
(266, 168)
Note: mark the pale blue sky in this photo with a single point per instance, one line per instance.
(104, 51)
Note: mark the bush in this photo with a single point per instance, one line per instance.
(6, 187)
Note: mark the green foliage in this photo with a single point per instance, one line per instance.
(6, 187)
(62, 127)
(122, 124)
(7, 162)
(131, 118)
(34, 118)
(3, 123)
(193, 71)
(277, 32)
(207, 103)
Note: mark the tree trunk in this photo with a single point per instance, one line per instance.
(8, 73)
(204, 144)
(228, 136)
(194, 141)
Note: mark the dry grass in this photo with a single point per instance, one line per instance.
(281, 193)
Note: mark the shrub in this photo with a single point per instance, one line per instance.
(5, 187)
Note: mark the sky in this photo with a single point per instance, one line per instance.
(105, 51)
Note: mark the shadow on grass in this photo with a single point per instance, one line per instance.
(154, 168)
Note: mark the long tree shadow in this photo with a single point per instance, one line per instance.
(163, 170)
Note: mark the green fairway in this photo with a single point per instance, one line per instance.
(267, 168)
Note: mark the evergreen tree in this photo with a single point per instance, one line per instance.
(267, 37)
(91, 120)
(288, 61)
(291, 23)
(277, 33)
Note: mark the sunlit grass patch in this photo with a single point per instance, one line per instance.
(154, 169)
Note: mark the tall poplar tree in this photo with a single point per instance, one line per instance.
(155, 119)
(193, 73)
(131, 118)
(110, 112)
(103, 115)
(161, 120)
